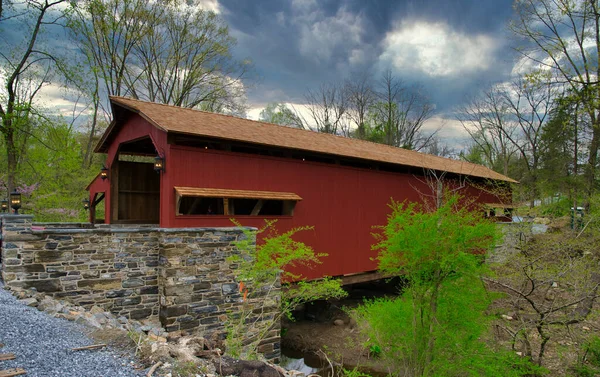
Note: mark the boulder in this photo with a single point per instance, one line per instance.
(29, 301)
(96, 310)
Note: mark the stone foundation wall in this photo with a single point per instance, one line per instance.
(115, 269)
(197, 284)
(181, 275)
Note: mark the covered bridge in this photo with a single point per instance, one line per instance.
(216, 167)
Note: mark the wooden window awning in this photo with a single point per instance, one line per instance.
(228, 193)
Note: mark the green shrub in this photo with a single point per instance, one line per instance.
(437, 325)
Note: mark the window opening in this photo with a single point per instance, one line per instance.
(204, 201)
(195, 205)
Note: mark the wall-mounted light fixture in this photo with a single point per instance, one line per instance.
(15, 201)
(104, 172)
(86, 204)
(159, 164)
(4, 205)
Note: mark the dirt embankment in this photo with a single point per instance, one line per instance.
(323, 332)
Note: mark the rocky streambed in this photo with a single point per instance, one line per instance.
(126, 347)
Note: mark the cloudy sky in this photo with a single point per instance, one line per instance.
(452, 47)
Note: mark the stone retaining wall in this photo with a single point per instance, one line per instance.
(197, 283)
(181, 275)
(115, 269)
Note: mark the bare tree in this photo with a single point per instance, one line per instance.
(401, 112)
(488, 121)
(563, 37)
(328, 108)
(437, 148)
(27, 67)
(551, 283)
(170, 52)
(530, 103)
(185, 60)
(361, 97)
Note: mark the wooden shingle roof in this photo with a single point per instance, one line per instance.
(174, 119)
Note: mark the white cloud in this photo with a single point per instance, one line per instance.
(210, 5)
(280, 17)
(303, 5)
(254, 113)
(321, 36)
(58, 101)
(437, 50)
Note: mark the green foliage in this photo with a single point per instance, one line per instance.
(263, 261)
(418, 244)
(437, 325)
(279, 113)
(593, 351)
(588, 364)
(354, 373)
(52, 175)
(374, 350)
(262, 265)
(561, 207)
(186, 369)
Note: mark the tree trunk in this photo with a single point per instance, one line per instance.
(87, 160)
(590, 173)
(433, 304)
(11, 154)
(361, 131)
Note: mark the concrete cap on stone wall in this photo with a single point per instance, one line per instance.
(11, 218)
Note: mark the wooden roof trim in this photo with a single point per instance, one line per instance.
(109, 130)
(142, 114)
(87, 188)
(236, 194)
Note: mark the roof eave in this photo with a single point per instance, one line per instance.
(102, 146)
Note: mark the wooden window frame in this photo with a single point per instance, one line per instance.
(289, 200)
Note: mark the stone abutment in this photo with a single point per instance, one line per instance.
(183, 276)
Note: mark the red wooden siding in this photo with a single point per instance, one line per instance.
(342, 203)
(135, 128)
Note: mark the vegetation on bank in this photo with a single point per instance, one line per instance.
(266, 259)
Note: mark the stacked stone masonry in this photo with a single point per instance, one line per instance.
(115, 269)
(181, 275)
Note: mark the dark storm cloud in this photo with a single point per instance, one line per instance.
(300, 44)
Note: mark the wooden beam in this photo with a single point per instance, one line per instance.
(231, 205)
(12, 372)
(288, 207)
(114, 189)
(363, 277)
(177, 203)
(193, 206)
(97, 201)
(257, 207)
(7, 356)
(226, 206)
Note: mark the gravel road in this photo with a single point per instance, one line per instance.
(42, 345)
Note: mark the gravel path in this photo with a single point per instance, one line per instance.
(42, 345)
